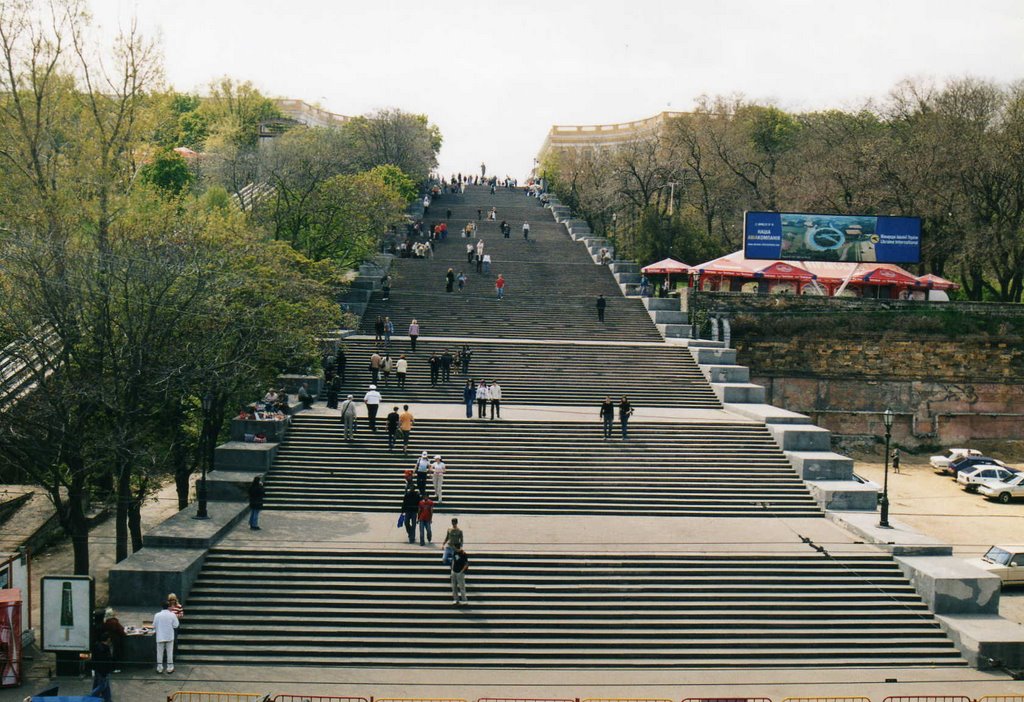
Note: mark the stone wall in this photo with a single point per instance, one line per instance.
(952, 371)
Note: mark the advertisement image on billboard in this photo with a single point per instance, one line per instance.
(66, 611)
(803, 236)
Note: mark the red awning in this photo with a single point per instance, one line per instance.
(668, 265)
(784, 271)
(886, 275)
(935, 282)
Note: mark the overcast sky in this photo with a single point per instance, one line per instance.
(494, 76)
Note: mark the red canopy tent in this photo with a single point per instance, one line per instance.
(887, 275)
(934, 282)
(785, 271)
(667, 266)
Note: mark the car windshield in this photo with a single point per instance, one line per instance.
(998, 555)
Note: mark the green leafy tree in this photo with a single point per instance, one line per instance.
(168, 171)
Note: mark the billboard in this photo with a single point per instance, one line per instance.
(68, 601)
(803, 236)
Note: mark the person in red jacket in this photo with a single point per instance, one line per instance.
(499, 285)
(425, 517)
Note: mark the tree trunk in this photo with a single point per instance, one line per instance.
(78, 525)
(124, 500)
(135, 520)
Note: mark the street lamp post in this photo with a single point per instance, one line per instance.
(887, 417)
(201, 512)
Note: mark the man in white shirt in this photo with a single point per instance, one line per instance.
(165, 622)
(372, 401)
(494, 391)
(402, 367)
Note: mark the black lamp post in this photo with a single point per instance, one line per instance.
(887, 417)
(201, 512)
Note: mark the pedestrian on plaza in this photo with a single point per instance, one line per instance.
(112, 626)
(401, 370)
(480, 250)
(479, 213)
(102, 663)
(465, 356)
(256, 494)
(387, 365)
(305, 397)
(469, 397)
(410, 506)
(375, 359)
(164, 624)
(449, 278)
(333, 388)
(607, 416)
(482, 396)
(385, 288)
(526, 231)
(446, 365)
(448, 214)
(389, 329)
(625, 412)
(470, 251)
(895, 460)
(452, 540)
(601, 305)
(506, 229)
(175, 606)
(414, 333)
(393, 420)
(460, 564)
(435, 368)
(348, 417)
(372, 400)
(378, 328)
(487, 264)
(405, 423)
(425, 516)
(499, 286)
(494, 391)
(422, 470)
(437, 469)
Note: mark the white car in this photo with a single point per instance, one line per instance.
(1004, 491)
(984, 474)
(941, 463)
(1005, 561)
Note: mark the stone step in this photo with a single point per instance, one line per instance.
(669, 316)
(739, 392)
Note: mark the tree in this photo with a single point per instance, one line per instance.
(167, 171)
(407, 141)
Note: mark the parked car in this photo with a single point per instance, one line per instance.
(1005, 561)
(1004, 491)
(968, 461)
(941, 463)
(977, 475)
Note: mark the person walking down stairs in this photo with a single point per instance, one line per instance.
(494, 392)
(625, 412)
(601, 305)
(469, 397)
(482, 396)
(410, 507)
(460, 564)
(526, 231)
(499, 286)
(256, 493)
(607, 416)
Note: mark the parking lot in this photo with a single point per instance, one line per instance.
(936, 505)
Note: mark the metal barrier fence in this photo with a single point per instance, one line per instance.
(625, 699)
(185, 696)
(727, 699)
(1001, 698)
(928, 698)
(826, 699)
(418, 699)
(315, 698)
(528, 699)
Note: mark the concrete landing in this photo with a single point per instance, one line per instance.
(900, 540)
(546, 413)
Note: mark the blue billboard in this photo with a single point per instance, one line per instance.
(802, 236)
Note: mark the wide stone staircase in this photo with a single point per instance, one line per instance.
(356, 601)
(542, 374)
(552, 285)
(696, 469)
(367, 608)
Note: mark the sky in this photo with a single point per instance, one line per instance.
(495, 76)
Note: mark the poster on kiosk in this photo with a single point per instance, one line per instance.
(67, 613)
